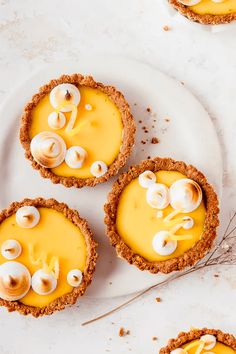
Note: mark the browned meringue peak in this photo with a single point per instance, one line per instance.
(15, 281)
(188, 222)
(185, 195)
(56, 120)
(163, 244)
(157, 196)
(75, 157)
(11, 249)
(209, 341)
(146, 179)
(48, 149)
(74, 277)
(27, 216)
(98, 168)
(66, 95)
(43, 283)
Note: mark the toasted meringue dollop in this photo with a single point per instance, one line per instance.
(209, 341)
(188, 222)
(48, 149)
(98, 168)
(27, 216)
(146, 179)
(74, 277)
(56, 120)
(43, 283)
(75, 157)
(178, 351)
(67, 93)
(157, 196)
(11, 249)
(185, 195)
(189, 2)
(162, 244)
(15, 281)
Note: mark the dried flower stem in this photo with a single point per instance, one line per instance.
(164, 282)
(223, 238)
(226, 256)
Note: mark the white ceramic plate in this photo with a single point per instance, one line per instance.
(182, 125)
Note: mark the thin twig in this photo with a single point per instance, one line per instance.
(226, 258)
(231, 237)
(223, 239)
(164, 282)
(230, 233)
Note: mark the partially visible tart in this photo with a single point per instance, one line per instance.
(76, 131)
(200, 341)
(162, 215)
(210, 12)
(47, 259)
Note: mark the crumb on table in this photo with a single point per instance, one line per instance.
(123, 332)
(154, 338)
(158, 299)
(154, 140)
(166, 28)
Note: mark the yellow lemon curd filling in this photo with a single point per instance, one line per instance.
(55, 236)
(209, 7)
(100, 133)
(137, 222)
(219, 348)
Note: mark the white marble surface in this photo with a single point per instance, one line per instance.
(33, 33)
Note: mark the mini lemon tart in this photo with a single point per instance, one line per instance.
(77, 132)
(201, 341)
(47, 259)
(162, 215)
(209, 12)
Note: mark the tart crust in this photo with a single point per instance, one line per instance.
(66, 299)
(190, 257)
(128, 130)
(206, 19)
(185, 337)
